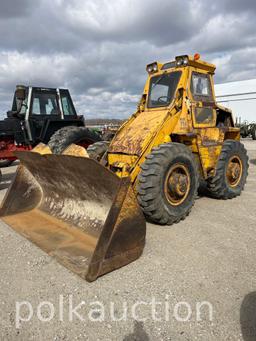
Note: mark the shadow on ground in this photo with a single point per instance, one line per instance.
(138, 334)
(248, 317)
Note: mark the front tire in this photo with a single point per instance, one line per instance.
(97, 150)
(64, 137)
(231, 172)
(168, 183)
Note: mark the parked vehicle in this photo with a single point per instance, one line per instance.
(37, 114)
(247, 129)
(88, 212)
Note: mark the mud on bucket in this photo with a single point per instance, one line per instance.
(77, 211)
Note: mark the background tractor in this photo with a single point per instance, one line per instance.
(247, 129)
(253, 130)
(36, 115)
(87, 212)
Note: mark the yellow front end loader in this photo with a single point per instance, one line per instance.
(89, 212)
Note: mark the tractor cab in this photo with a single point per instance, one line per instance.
(42, 102)
(40, 112)
(37, 114)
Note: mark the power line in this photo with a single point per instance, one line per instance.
(239, 94)
(236, 100)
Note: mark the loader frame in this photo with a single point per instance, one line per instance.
(89, 214)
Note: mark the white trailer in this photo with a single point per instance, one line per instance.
(239, 96)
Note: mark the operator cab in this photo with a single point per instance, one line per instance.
(35, 101)
(38, 112)
(163, 83)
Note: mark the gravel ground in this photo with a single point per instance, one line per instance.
(209, 257)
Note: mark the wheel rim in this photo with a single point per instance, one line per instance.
(177, 184)
(234, 171)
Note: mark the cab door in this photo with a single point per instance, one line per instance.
(44, 108)
(204, 113)
(209, 138)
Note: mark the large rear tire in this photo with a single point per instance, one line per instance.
(231, 172)
(97, 150)
(168, 183)
(68, 135)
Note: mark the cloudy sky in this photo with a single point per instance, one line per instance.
(99, 48)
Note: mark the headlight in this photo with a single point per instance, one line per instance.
(152, 68)
(155, 68)
(179, 62)
(185, 61)
(149, 68)
(182, 60)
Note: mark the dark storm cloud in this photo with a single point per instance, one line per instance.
(238, 6)
(99, 48)
(15, 8)
(38, 28)
(160, 22)
(69, 25)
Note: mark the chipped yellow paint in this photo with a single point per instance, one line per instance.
(211, 136)
(209, 157)
(133, 139)
(122, 159)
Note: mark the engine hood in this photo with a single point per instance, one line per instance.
(134, 137)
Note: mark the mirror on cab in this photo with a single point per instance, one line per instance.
(20, 92)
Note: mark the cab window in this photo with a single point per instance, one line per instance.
(44, 104)
(67, 104)
(204, 115)
(162, 89)
(67, 107)
(17, 103)
(201, 87)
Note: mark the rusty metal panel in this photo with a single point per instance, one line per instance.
(211, 136)
(209, 141)
(209, 157)
(138, 133)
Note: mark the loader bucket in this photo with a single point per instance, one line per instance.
(77, 211)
